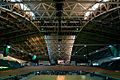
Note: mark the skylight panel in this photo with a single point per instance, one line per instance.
(93, 8)
(24, 7)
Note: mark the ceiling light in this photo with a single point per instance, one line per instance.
(30, 54)
(110, 46)
(58, 48)
(105, 0)
(96, 51)
(85, 45)
(95, 6)
(58, 45)
(115, 58)
(8, 46)
(95, 64)
(37, 72)
(77, 29)
(21, 50)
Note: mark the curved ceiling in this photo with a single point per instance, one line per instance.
(20, 34)
(72, 24)
(100, 32)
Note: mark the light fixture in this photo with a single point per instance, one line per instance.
(95, 64)
(22, 51)
(30, 53)
(96, 51)
(85, 45)
(8, 46)
(77, 29)
(110, 46)
(58, 45)
(115, 58)
(58, 48)
(37, 72)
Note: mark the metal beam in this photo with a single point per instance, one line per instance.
(37, 1)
